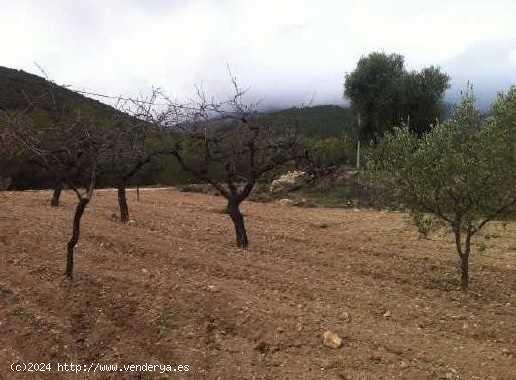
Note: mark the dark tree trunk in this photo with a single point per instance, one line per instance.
(238, 221)
(464, 261)
(58, 187)
(79, 211)
(464, 252)
(137, 193)
(122, 202)
(464, 272)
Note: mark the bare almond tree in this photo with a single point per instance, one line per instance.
(7, 150)
(229, 146)
(138, 142)
(71, 149)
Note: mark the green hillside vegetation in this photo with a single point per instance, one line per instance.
(319, 121)
(19, 89)
(328, 130)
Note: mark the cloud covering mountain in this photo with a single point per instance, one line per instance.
(287, 51)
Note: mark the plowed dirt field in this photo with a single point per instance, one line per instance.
(172, 288)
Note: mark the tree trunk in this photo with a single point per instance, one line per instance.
(79, 211)
(137, 193)
(58, 187)
(122, 202)
(464, 251)
(464, 262)
(464, 269)
(238, 221)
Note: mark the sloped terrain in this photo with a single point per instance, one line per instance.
(19, 89)
(171, 288)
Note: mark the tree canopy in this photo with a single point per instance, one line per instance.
(462, 171)
(385, 94)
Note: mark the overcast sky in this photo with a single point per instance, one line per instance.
(286, 50)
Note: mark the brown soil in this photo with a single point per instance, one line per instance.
(171, 288)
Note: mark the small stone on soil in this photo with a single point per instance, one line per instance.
(387, 314)
(331, 339)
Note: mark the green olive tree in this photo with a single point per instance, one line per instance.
(504, 108)
(462, 172)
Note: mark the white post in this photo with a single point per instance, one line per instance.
(358, 155)
(358, 143)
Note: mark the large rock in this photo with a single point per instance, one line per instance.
(289, 181)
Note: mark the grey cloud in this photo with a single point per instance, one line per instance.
(487, 66)
(286, 51)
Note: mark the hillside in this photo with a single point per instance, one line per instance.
(22, 91)
(318, 121)
(18, 88)
(171, 288)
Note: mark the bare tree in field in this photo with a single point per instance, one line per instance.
(7, 149)
(70, 149)
(229, 146)
(137, 144)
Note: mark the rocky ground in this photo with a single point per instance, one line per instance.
(320, 294)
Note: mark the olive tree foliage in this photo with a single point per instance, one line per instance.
(374, 91)
(462, 172)
(229, 146)
(422, 98)
(504, 108)
(385, 94)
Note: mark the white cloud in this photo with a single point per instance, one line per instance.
(513, 56)
(279, 47)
